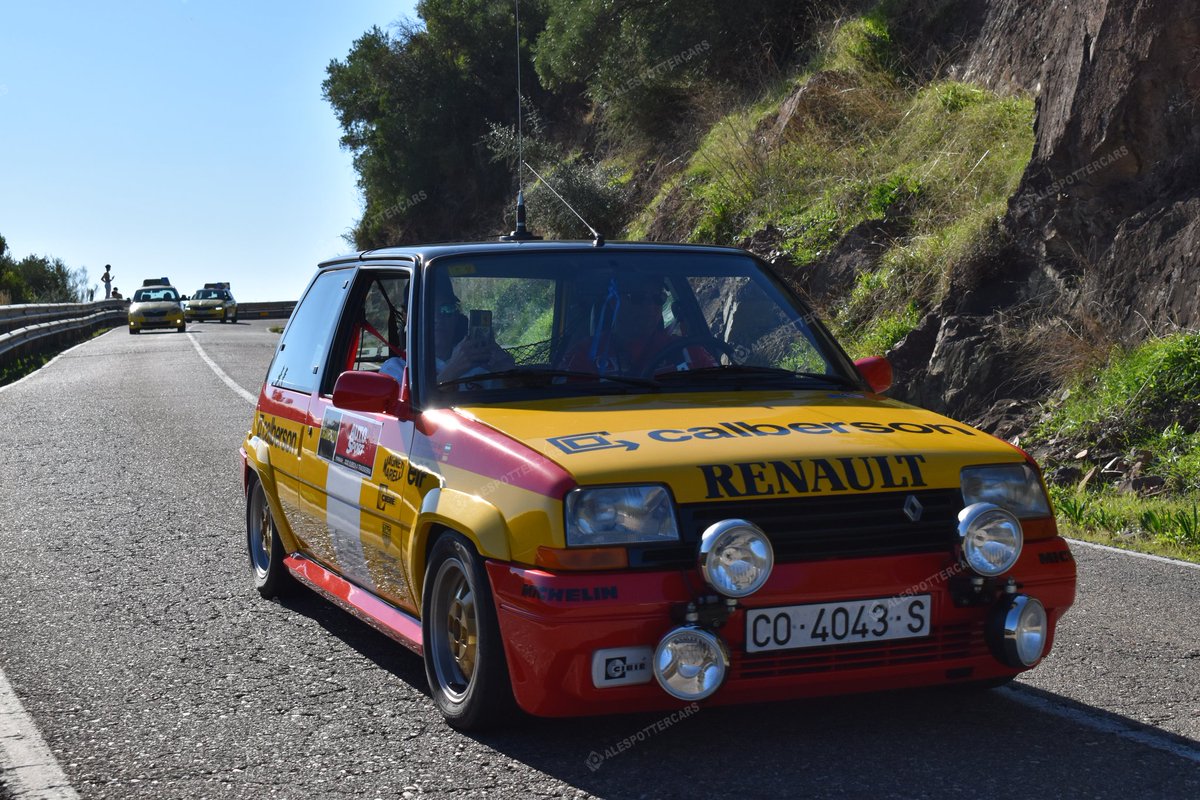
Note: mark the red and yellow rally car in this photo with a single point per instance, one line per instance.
(595, 479)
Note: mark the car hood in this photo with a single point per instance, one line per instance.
(750, 444)
(154, 305)
(207, 303)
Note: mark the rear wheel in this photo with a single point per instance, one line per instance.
(271, 577)
(464, 657)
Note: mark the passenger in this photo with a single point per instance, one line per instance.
(628, 333)
(460, 356)
(457, 356)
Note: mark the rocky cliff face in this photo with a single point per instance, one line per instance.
(1105, 228)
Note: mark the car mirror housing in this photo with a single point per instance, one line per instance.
(372, 392)
(876, 371)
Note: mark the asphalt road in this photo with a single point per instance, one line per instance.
(132, 637)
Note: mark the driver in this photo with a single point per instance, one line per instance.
(628, 333)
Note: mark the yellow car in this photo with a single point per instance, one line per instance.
(213, 302)
(156, 306)
(584, 478)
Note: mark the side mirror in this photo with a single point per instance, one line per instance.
(372, 392)
(876, 371)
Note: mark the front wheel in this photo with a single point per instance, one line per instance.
(271, 577)
(464, 657)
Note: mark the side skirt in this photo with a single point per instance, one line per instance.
(379, 614)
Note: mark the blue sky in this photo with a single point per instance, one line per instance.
(185, 138)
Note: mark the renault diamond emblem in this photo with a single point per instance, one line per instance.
(913, 508)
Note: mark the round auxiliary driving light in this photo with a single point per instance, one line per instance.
(690, 663)
(735, 557)
(991, 538)
(1020, 629)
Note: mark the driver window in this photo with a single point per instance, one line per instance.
(378, 342)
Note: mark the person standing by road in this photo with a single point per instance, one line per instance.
(108, 279)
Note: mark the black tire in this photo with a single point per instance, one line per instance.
(224, 319)
(132, 331)
(181, 329)
(464, 656)
(263, 546)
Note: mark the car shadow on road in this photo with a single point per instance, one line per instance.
(956, 742)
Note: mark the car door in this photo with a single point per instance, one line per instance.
(283, 417)
(360, 463)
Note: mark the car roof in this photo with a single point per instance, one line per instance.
(427, 252)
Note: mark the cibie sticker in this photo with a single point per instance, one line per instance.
(621, 666)
(349, 440)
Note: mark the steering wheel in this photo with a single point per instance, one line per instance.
(711, 344)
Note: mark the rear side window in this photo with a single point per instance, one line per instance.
(305, 343)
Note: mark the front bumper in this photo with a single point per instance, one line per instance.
(553, 623)
(194, 314)
(149, 323)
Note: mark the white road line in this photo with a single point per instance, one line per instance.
(1104, 722)
(1134, 553)
(230, 382)
(27, 766)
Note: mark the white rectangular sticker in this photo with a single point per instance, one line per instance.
(621, 666)
(846, 622)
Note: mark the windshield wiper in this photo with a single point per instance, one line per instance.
(545, 375)
(743, 370)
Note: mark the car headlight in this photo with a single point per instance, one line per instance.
(991, 538)
(736, 557)
(1012, 486)
(1019, 630)
(690, 663)
(620, 515)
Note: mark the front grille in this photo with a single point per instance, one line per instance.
(807, 529)
(950, 642)
(155, 312)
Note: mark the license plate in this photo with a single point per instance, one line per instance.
(846, 622)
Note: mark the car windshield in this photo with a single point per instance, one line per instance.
(155, 294)
(602, 321)
(208, 294)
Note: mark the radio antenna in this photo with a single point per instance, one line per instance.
(521, 233)
(597, 239)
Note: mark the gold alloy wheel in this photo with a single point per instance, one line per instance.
(456, 639)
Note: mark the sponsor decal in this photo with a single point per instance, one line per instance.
(573, 594)
(277, 435)
(743, 430)
(393, 467)
(588, 442)
(812, 476)
(1056, 557)
(602, 440)
(386, 532)
(348, 440)
(386, 498)
(621, 666)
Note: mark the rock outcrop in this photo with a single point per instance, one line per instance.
(1106, 223)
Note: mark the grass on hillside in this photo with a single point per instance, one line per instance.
(935, 164)
(1142, 406)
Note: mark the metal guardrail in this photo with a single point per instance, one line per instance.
(28, 329)
(44, 327)
(279, 310)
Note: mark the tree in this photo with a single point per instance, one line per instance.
(414, 106)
